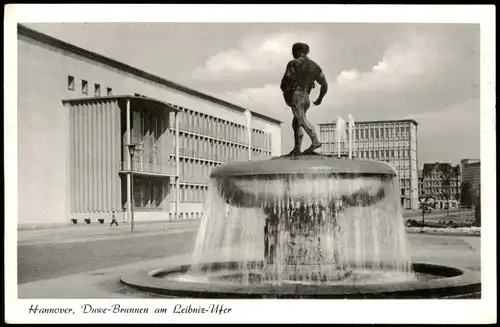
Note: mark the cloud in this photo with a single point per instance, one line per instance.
(260, 56)
(452, 133)
(267, 100)
(425, 72)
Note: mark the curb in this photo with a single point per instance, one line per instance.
(69, 225)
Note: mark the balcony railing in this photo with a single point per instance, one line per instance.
(147, 167)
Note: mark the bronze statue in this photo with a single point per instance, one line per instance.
(297, 82)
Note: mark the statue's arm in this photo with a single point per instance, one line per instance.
(321, 79)
(287, 76)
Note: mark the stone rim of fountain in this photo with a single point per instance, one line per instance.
(451, 282)
(303, 165)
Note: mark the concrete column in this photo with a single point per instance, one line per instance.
(129, 164)
(351, 133)
(248, 118)
(177, 167)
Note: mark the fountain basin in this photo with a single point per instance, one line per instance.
(305, 178)
(303, 165)
(304, 227)
(432, 281)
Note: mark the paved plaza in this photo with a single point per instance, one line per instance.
(87, 261)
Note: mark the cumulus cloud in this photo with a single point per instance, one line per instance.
(452, 133)
(424, 71)
(261, 57)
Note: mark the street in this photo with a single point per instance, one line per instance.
(101, 247)
(455, 215)
(58, 254)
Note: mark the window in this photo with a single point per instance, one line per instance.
(85, 87)
(109, 91)
(71, 83)
(97, 90)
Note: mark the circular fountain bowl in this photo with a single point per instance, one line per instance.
(308, 178)
(432, 281)
(303, 165)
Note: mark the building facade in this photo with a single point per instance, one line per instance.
(441, 181)
(392, 141)
(471, 171)
(52, 78)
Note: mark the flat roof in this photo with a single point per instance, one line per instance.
(133, 98)
(41, 37)
(377, 121)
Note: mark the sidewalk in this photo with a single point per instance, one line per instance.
(105, 283)
(82, 233)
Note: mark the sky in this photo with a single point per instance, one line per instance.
(375, 71)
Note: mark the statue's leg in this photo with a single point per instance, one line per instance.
(301, 104)
(297, 129)
(298, 135)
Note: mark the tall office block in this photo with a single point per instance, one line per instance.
(392, 141)
(471, 171)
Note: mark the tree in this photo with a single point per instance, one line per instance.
(467, 194)
(426, 202)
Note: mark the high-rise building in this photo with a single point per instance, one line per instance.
(392, 141)
(441, 181)
(72, 131)
(471, 171)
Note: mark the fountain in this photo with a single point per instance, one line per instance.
(304, 227)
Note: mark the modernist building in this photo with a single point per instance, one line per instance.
(73, 139)
(434, 182)
(392, 141)
(471, 171)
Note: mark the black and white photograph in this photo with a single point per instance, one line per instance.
(207, 163)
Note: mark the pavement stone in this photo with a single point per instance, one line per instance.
(456, 251)
(100, 232)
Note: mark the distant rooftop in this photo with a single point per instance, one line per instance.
(44, 38)
(376, 122)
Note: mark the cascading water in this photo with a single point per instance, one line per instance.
(324, 227)
(304, 227)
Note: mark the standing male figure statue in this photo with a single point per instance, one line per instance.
(297, 82)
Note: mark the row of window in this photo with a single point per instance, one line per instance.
(369, 133)
(438, 183)
(84, 87)
(197, 146)
(382, 144)
(199, 123)
(436, 178)
(383, 154)
(195, 171)
(148, 193)
(438, 190)
(193, 193)
(399, 147)
(404, 182)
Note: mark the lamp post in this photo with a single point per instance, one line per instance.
(131, 150)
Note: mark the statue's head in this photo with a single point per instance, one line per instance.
(299, 49)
